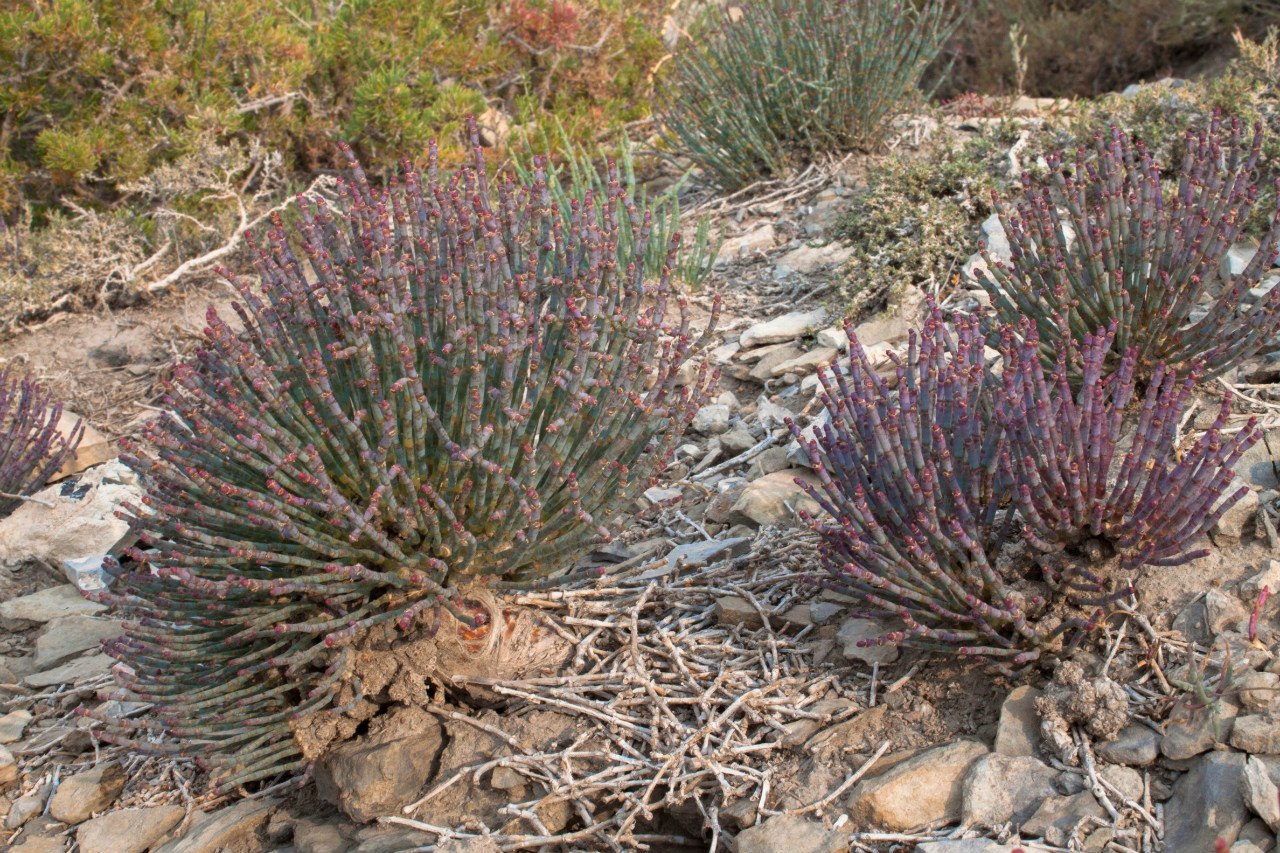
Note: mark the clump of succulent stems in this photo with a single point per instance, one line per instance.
(1109, 245)
(437, 383)
(772, 82)
(31, 448)
(926, 476)
(1088, 477)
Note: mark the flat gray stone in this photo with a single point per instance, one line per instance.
(1135, 746)
(49, 604)
(1207, 804)
(128, 830)
(79, 669)
(1018, 732)
(68, 636)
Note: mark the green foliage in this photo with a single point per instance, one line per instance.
(580, 172)
(777, 81)
(915, 225)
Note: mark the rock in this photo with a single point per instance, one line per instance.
(791, 834)
(735, 610)
(993, 240)
(1256, 832)
(69, 636)
(807, 260)
(1126, 780)
(1206, 617)
(81, 521)
(8, 767)
(26, 807)
(788, 327)
(1252, 586)
(78, 797)
(384, 770)
(1256, 734)
(1239, 521)
(48, 604)
(799, 731)
(1188, 738)
(738, 438)
(886, 328)
(1257, 691)
(494, 126)
(13, 724)
(775, 499)
(757, 240)
(708, 551)
(1018, 731)
(724, 353)
(388, 839)
(79, 669)
(1003, 788)
(314, 837)
(770, 415)
(1135, 746)
(768, 461)
(1237, 258)
(128, 830)
(1257, 465)
(854, 631)
(967, 845)
(230, 828)
(1207, 804)
(94, 447)
(1261, 794)
(780, 354)
(40, 844)
(469, 845)
(807, 363)
(1056, 816)
(834, 337)
(923, 789)
(712, 419)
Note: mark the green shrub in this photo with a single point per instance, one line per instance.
(777, 81)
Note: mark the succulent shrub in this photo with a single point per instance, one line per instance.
(1108, 245)
(912, 481)
(773, 81)
(579, 172)
(437, 384)
(31, 447)
(1088, 478)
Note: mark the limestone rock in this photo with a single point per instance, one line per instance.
(77, 670)
(1003, 788)
(923, 789)
(807, 260)
(787, 327)
(737, 438)
(855, 630)
(1207, 804)
(791, 834)
(128, 830)
(231, 828)
(48, 604)
(26, 807)
(385, 769)
(775, 499)
(805, 364)
(1188, 738)
(756, 240)
(1261, 794)
(1258, 690)
(69, 636)
(13, 724)
(712, 419)
(1257, 734)
(79, 796)
(1018, 731)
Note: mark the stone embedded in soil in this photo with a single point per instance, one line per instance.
(835, 337)
(233, 828)
(762, 372)
(769, 414)
(1018, 731)
(385, 770)
(735, 610)
(1257, 734)
(79, 669)
(921, 790)
(40, 844)
(708, 551)
(1207, 804)
(803, 365)
(69, 636)
(78, 797)
(26, 807)
(49, 604)
(1261, 794)
(1258, 690)
(1239, 521)
(791, 834)
(759, 239)
(1188, 738)
(1056, 816)
(13, 724)
(855, 630)
(1126, 780)
(316, 837)
(390, 839)
(768, 461)
(1003, 788)
(807, 260)
(775, 499)
(128, 830)
(8, 767)
(738, 438)
(468, 845)
(712, 419)
(787, 327)
(968, 845)
(887, 328)
(69, 523)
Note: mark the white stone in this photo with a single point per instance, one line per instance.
(49, 604)
(759, 239)
(81, 523)
(785, 328)
(807, 260)
(835, 337)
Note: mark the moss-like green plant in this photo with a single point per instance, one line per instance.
(774, 81)
(438, 384)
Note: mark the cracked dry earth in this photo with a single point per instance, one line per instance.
(702, 694)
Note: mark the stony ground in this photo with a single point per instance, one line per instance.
(714, 698)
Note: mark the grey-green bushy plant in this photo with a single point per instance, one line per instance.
(773, 81)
